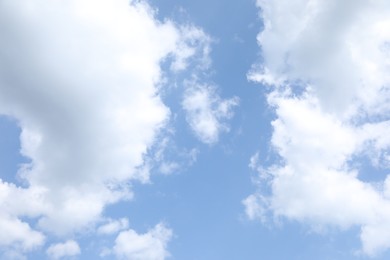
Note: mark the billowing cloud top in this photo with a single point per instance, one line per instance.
(327, 63)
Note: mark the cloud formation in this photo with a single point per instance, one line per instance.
(67, 249)
(327, 63)
(151, 245)
(113, 226)
(82, 80)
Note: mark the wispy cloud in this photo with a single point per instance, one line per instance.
(206, 111)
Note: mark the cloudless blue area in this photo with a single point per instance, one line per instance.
(10, 157)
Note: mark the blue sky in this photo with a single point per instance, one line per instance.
(194, 129)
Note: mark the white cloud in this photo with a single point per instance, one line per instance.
(255, 207)
(169, 167)
(113, 226)
(195, 44)
(206, 111)
(18, 234)
(165, 157)
(83, 84)
(337, 48)
(66, 249)
(254, 161)
(328, 63)
(149, 246)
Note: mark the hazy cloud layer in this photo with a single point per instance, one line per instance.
(327, 63)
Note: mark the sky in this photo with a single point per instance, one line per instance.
(194, 130)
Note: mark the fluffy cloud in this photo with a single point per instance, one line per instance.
(82, 80)
(60, 250)
(206, 111)
(19, 235)
(327, 63)
(149, 246)
(15, 233)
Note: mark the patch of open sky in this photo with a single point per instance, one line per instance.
(10, 157)
(363, 119)
(368, 169)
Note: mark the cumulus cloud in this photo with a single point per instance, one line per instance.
(327, 65)
(82, 80)
(66, 249)
(149, 246)
(206, 111)
(19, 235)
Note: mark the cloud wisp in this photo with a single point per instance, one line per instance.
(207, 112)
